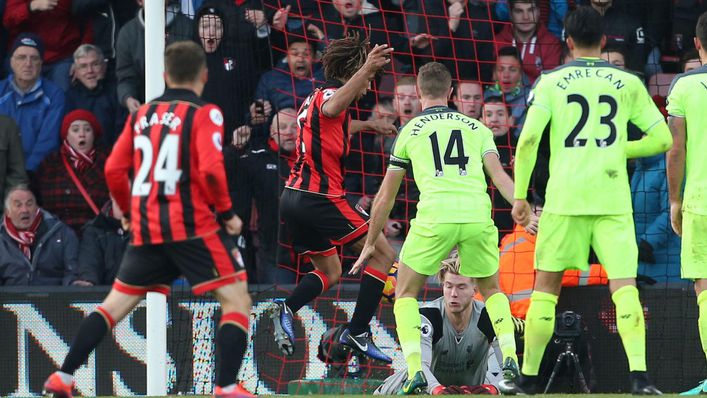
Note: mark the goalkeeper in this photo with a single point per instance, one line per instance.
(456, 337)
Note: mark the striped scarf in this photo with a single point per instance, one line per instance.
(25, 239)
(79, 160)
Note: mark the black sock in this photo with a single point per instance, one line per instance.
(369, 296)
(91, 332)
(231, 343)
(311, 286)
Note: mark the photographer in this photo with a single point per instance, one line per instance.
(456, 337)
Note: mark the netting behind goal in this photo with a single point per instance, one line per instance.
(257, 72)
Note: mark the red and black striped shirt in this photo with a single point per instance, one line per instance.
(322, 146)
(171, 147)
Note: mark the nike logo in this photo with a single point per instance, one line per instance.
(545, 318)
(626, 316)
(499, 320)
(360, 347)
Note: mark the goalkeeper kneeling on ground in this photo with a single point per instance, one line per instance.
(457, 336)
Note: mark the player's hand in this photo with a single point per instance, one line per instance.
(233, 225)
(280, 19)
(366, 253)
(676, 217)
(521, 212)
(532, 227)
(125, 223)
(365, 202)
(377, 58)
(382, 127)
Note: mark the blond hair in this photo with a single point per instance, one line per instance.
(449, 265)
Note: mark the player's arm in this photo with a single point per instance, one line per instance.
(526, 155)
(118, 164)
(647, 117)
(342, 98)
(209, 136)
(378, 126)
(380, 210)
(675, 168)
(500, 178)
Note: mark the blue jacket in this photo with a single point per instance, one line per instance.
(54, 256)
(276, 86)
(38, 113)
(651, 214)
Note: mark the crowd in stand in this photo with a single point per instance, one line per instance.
(75, 70)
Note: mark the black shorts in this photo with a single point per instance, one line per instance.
(207, 262)
(316, 224)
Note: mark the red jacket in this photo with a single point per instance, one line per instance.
(540, 53)
(60, 32)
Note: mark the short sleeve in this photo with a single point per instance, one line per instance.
(675, 106)
(644, 112)
(539, 96)
(399, 158)
(487, 143)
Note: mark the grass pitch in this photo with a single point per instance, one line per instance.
(368, 396)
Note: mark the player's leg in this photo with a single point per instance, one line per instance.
(613, 239)
(213, 264)
(141, 270)
(426, 245)
(478, 253)
(693, 263)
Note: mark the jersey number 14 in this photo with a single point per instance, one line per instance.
(460, 159)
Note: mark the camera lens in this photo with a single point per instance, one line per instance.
(568, 320)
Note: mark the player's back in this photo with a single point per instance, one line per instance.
(322, 146)
(591, 103)
(688, 98)
(445, 149)
(169, 197)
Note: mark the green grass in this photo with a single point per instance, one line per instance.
(450, 396)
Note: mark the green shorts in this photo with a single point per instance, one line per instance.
(427, 244)
(563, 243)
(693, 256)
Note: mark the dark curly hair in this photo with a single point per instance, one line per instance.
(343, 57)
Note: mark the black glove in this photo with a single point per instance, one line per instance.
(645, 252)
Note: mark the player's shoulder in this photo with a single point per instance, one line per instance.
(327, 89)
(682, 79)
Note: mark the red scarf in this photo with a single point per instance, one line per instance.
(25, 239)
(79, 160)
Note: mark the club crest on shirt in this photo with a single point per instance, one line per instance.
(216, 117)
(425, 330)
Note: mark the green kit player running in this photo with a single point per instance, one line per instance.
(447, 151)
(588, 104)
(686, 163)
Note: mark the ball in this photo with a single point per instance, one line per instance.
(390, 282)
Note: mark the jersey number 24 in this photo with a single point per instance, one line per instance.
(165, 169)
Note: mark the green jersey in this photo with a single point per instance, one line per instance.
(688, 98)
(445, 149)
(588, 104)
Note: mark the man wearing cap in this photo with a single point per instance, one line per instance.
(36, 104)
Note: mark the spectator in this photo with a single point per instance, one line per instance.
(71, 180)
(552, 14)
(405, 100)
(35, 247)
(259, 181)
(92, 91)
(658, 245)
(625, 29)
(517, 267)
(468, 98)
(615, 55)
(231, 70)
(102, 246)
(12, 161)
(288, 83)
(130, 52)
(511, 85)
(58, 29)
(690, 60)
(497, 117)
(36, 104)
(539, 49)
(101, 14)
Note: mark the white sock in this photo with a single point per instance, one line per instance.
(229, 388)
(65, 377)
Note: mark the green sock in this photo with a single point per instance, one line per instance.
(702, 320)
(408, 322)
(539, 326)
(499, 310)
(631, 326)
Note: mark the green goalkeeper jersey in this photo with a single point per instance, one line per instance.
(588, 104)
(445, 149)
(688, 98)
